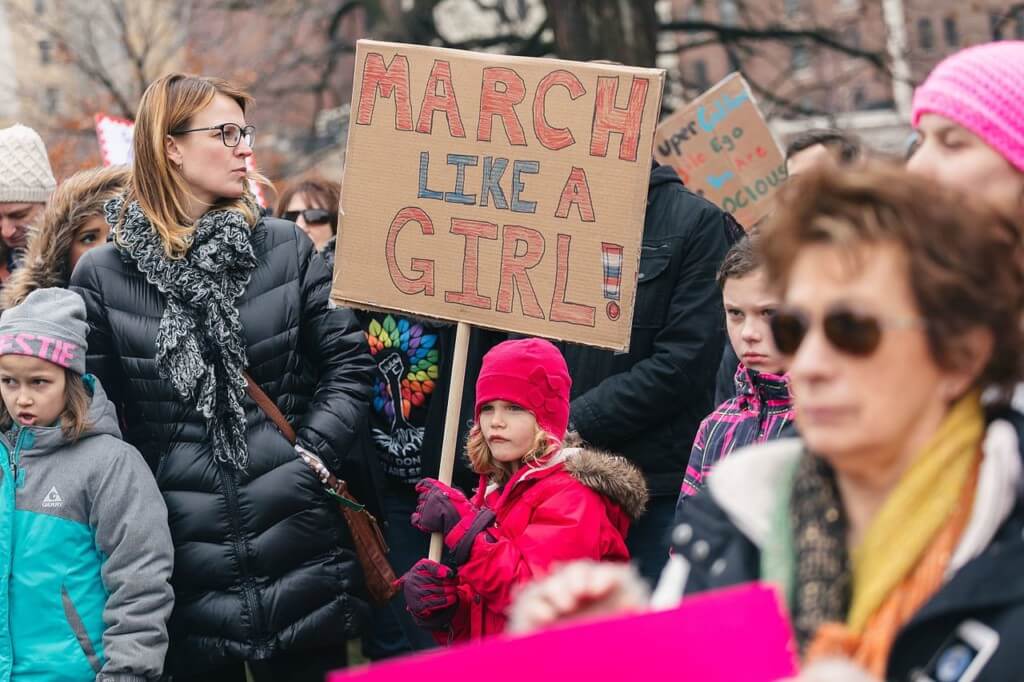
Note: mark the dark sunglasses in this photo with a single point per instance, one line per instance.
(312, 216)
(848, 331)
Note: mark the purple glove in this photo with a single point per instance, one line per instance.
(430, 594)
(440, 507)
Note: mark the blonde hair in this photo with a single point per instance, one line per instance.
(169, 104)
(74, 418)
(483, 462)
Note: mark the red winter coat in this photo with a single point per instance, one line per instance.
(576, 506)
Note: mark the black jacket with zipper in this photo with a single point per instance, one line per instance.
(263, 559)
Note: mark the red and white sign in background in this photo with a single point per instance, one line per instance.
(115, 138)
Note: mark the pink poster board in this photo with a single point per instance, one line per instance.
(741, 633)
(115, 137)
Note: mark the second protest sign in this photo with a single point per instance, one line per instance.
(722, 148)
(504, 192)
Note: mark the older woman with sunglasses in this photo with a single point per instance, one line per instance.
(893, 527)
(313, 205)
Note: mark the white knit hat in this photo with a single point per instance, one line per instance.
(25, 175)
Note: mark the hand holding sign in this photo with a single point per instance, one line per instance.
(579, 589)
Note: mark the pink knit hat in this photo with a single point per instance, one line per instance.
(982, 89)
(532, 374)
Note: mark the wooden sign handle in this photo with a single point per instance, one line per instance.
(450, 445)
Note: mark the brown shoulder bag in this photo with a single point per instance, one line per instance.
(366, 534)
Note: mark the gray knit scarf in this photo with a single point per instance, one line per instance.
(199, 346)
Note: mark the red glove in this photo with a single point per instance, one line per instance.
(430, 594)
(440, 507)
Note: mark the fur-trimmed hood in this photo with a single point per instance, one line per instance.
(77, 199)
(613, 476)
(575, 504)
(44, 264)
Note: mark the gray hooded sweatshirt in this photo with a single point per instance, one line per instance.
(83, 528)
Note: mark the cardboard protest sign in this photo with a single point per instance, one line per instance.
(721, 146)
(506, 192)
(697, 641)
(115, 137)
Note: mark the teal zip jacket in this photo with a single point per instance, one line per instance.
(85, 590)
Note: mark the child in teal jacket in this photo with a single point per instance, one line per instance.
(83, 528)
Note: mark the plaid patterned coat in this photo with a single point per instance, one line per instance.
(761, 411)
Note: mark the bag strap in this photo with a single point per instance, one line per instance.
(367, 537)
(334, 486)
(269, 408)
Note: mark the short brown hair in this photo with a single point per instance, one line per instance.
(742, 259)
(964, 261)
(74, 420)
(324, 192)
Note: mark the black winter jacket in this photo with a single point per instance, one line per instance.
(262, 557)
(647, 404)
(986, 594)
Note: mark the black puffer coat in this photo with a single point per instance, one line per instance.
(263, 560)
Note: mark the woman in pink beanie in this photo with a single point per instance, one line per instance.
(969, 116)
(538, 503)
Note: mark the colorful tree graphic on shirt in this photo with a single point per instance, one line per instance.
(408, 363)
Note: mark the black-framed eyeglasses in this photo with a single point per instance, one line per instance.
(312, 216)
(230, 133)
(848, 331)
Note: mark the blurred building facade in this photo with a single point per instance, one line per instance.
(62, 61)
(830, 87)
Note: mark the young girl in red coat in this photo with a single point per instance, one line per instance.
(538, 503)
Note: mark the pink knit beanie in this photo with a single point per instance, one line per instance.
(532, 374)
(982, 89)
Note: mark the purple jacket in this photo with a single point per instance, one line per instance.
(760, 412)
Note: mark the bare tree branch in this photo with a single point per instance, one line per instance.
(822, 36)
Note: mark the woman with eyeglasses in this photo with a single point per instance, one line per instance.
(313, 205)
(196, 289)
(893, 526)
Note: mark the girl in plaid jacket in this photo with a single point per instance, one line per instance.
(762, 409)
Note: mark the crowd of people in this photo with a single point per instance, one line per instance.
(821, 401)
